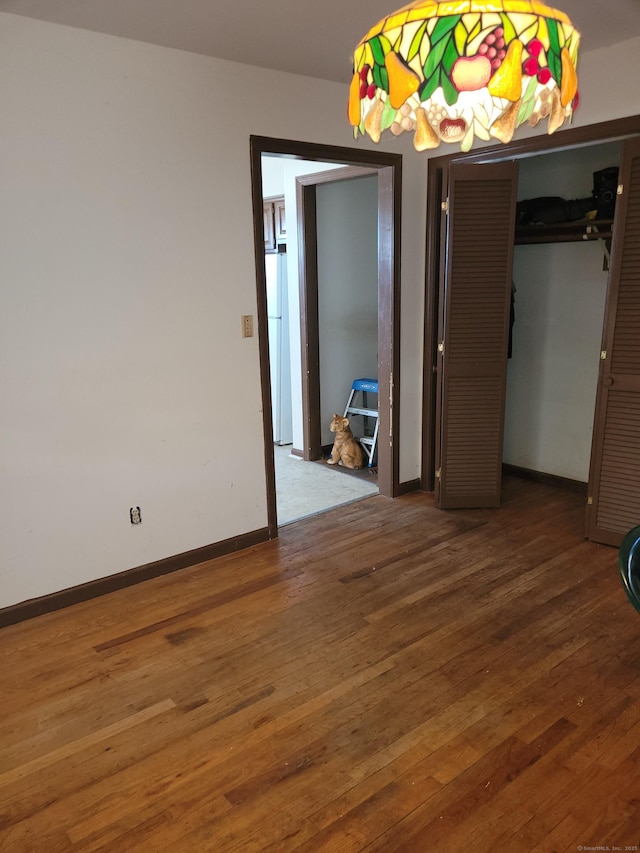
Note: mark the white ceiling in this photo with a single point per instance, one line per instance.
(311, 37)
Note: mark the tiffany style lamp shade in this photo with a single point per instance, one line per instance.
(457, 71)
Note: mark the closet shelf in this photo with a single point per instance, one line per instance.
(565, 232)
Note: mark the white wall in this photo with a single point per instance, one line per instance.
(560, 297)
(608, 82)
(552, 376)
(127, 258)
(273, 170)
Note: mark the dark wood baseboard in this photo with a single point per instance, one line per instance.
(101, 586)
(409, 486)
(403, 488)
(295, 452)
(83, 592)
(541, 477)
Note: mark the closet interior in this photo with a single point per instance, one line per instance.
(560, 275)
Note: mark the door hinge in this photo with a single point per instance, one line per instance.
(603, 355)
(439, 474)
(441, 347)
(444, 206)
(620, 189)
(590, 500)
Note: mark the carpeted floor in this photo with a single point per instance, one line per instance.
(306, 488)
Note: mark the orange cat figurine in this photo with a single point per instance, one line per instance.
(346, 450)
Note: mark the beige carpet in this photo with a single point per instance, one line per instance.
(306, 488)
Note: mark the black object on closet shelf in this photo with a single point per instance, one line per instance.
(605, 191)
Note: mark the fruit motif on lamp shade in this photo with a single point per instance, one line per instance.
(456, 71)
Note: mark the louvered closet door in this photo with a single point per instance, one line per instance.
(474, 328)
(614, 485)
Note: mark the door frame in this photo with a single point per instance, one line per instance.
(389, 169)
(609, 131)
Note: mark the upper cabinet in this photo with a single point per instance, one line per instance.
(274, 223)
(268, 227)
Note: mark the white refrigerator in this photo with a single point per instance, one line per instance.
(279, 350)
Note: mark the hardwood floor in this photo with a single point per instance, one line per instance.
(385, 677)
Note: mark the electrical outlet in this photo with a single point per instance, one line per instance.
(247, 325)
(135, 515)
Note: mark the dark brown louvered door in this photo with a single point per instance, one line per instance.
(474, 327)
(614, 483)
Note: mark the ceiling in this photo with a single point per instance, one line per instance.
(314, 38)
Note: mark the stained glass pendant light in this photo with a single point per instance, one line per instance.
(457, 71)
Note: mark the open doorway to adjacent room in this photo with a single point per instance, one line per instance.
(327, 267)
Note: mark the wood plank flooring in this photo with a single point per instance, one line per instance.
(384, 677)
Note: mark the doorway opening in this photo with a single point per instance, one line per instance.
(365, 332)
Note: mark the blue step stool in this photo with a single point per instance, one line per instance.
(360, 388)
